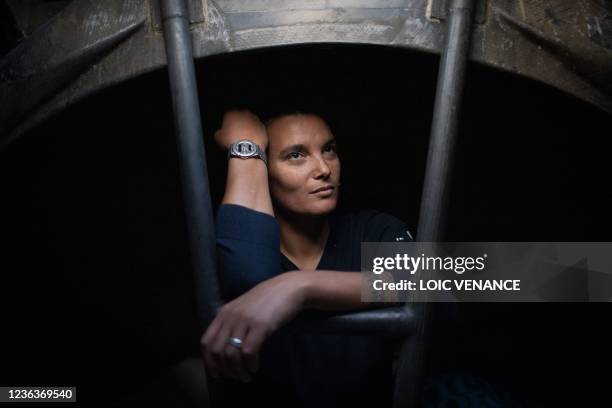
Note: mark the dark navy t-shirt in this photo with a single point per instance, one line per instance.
(311, 370)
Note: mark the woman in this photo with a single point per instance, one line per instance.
(282, 251)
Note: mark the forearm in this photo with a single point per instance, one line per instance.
(247, 185)
(332, 290)
(247, 179)
(335, 291)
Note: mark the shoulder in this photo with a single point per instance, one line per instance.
(374, 226)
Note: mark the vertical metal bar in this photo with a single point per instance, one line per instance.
(194, 173)
(411, 360)
(451, 77)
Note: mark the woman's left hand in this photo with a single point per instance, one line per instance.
(251, 317)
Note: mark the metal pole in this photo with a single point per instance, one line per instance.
(451, 77)
(194, 174)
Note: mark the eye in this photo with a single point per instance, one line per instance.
(294, 155)
(329, 148)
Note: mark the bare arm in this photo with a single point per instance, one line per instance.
(247, 180)
(335, 291)
(332, 290)
(247, 185)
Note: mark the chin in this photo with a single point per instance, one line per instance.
(312, 209)
(323, 208)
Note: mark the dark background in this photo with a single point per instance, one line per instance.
(96, 285)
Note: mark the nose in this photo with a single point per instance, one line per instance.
(322, 170)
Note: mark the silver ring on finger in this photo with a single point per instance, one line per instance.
(235, 342)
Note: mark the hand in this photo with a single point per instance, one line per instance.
(251, 317)
(238, 125)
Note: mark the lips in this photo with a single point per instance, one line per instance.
(324, 188)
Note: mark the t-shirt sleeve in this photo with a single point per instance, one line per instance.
(248, 248)
(383, 227)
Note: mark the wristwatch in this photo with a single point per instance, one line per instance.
(245, 149)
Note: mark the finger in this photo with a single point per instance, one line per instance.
(252, 346)
(233, 357)
(207, 350)
(211, 365)
(211, 331)
(218, 350)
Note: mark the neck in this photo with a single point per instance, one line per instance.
(302, 238)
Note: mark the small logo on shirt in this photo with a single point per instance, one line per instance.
(397, 239)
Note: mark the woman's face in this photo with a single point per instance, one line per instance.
(302, 160)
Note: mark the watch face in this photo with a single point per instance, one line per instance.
(245, 149)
